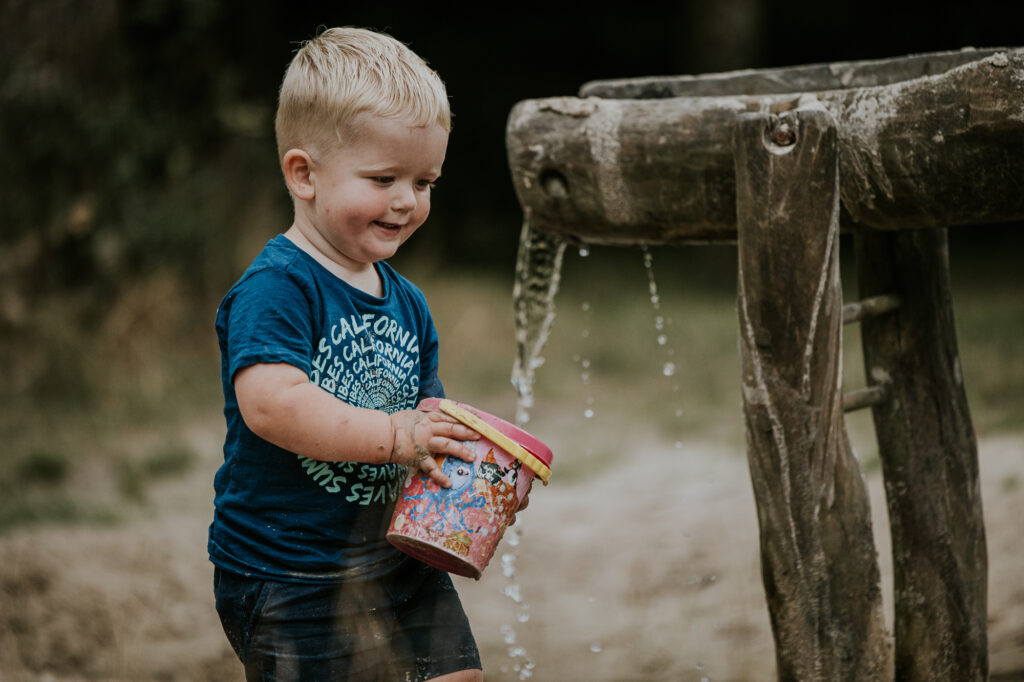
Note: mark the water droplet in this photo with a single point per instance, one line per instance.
(679, 410)
(584, 252)
(679, 445)
(595, 648)
(662, 339)
(588, 413)
(513, 592)
(659, 323)
(585, 306)
(669, 369)
(586, 364)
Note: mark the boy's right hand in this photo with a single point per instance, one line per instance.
(421, 435)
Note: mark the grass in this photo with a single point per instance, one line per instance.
(103, 427)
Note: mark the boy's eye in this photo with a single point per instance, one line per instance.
(427, 184)
(383, 179)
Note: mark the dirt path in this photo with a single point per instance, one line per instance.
(646, 571)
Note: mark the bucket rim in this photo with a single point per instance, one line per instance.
(531, 443)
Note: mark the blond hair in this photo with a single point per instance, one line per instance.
(346, 71)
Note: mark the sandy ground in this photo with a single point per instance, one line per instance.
(646, 570)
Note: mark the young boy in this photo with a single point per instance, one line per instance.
(325, 351)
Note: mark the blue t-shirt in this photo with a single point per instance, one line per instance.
(282, 516)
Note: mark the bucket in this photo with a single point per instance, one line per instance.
(457, 529)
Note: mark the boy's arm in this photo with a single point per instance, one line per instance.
(280, 405)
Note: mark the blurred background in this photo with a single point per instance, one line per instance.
(138, 177)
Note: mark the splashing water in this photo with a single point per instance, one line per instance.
(520, 660)
(588, 411)
(538, 272)
(668, 367)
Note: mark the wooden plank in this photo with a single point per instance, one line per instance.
(869, 307)
(929, 459)
(804, 78)
(860, 398)
(631, 171)
(818, 557)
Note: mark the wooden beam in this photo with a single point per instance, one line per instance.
(818, 558)
(938, 150)
(804, 78)
(869, 307)
(868, 396)
(929, 460)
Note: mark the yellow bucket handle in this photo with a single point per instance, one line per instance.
(497, 437)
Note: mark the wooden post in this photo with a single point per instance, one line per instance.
(818, 555)
(929, 459)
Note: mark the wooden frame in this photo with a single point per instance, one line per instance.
(780, 161)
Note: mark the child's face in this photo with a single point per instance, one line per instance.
(374, 192)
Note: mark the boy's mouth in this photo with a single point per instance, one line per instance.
(387, 226)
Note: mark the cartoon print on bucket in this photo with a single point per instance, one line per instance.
(448, 503)
(457, 529)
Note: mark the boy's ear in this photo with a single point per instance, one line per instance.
(298, 173)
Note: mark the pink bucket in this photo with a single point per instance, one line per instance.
(457, 529)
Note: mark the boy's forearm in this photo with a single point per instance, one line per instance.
(303, 418)
(318, 425)
(279, 405)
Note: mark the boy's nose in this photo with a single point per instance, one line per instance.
(403, 199)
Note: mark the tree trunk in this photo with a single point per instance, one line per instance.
(635, 171)
(929, 459)
(818, 556)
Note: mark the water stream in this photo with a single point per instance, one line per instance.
(537, 278)
(538, 272)
(661, 324)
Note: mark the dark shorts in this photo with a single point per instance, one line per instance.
(407, 625)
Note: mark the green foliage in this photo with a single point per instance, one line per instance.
(42, 467)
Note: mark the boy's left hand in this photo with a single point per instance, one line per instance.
(523, 504)
(420, 435)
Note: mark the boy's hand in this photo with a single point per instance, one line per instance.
(421, 435)
(523, 504)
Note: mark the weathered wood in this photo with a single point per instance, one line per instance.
(933, 151)
(860, 398)
(803, 78)
(929, 460)
(818, 556)
(869, 307)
